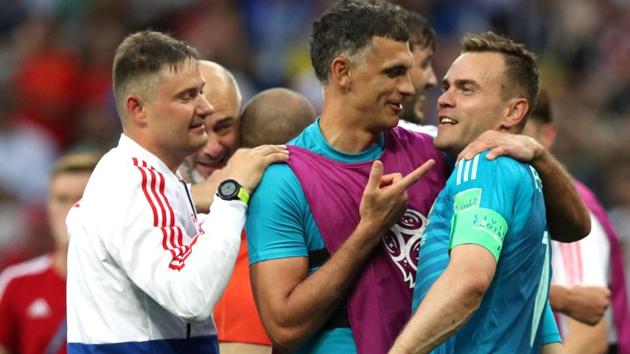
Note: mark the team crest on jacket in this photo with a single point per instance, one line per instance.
(402, 242)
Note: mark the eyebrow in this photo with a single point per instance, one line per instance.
(191, 88)
(460, 82)
(395, 68)
(225, 119)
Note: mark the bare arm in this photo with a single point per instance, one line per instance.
(553, 348)
(293, 304)
(586, 304)
(567, 216)
(245, 166)
(203, 193)
(450, 302)
(585, 339)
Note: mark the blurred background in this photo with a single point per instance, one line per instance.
(55, 80)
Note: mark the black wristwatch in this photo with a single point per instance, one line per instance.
(232, 190)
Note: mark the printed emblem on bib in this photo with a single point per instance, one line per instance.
(402, 242)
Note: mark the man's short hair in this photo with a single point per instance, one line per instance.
(76, 162)
(348, 27)
(275, 116)
(521, 74)
(421, 34)
(141, 57)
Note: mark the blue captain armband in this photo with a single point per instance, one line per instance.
(479, 226)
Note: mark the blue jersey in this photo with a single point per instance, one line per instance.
(280, 224)
(498, 199)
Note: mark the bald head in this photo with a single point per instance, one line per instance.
(275, 116)
(219, 82)
(221, 90)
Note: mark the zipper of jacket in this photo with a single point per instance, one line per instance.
(192, 206)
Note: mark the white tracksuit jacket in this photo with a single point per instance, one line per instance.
(144, 273)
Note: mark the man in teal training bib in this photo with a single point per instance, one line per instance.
(483, 271)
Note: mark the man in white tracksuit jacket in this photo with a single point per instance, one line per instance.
(144, 270)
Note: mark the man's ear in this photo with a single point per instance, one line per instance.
(340, 72)
(134, 105)
(548, 137)
(515, 113)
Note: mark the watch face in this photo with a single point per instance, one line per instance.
(229, 189)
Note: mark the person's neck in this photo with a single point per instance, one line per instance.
(170, 161)
(344, 132)
(60, 262)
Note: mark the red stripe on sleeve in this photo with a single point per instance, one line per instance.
(142, 168)
(146, 193)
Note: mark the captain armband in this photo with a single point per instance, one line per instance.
(479, 226)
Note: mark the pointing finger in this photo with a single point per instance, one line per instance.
(415, 175)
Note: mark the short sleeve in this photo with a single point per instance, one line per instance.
(549, 333)
(276, 217)
(484, 193)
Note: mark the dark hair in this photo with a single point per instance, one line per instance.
(521, 73)
(421, 34)
(348, 26)
(142, 55)
(542, 112)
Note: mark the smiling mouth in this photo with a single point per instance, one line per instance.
(447, 121)
(396, 107)
(195, 126)
(212, 165)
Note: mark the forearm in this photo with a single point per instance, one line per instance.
(448, 304)
(567, 216)
(583, 303)
(185, 275)
(203, 195)
(553, 348)
(558, 298)
(307, 307)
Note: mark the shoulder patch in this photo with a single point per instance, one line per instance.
(469, 198)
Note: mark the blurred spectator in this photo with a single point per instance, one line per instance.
(46, 82)
(26, 154)
(32, 294)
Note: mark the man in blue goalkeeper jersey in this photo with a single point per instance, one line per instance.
(483, 273)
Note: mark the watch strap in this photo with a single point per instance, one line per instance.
(243, 195)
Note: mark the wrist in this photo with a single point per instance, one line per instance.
(540, 156)
(399, 348)
(369, 229)
(557, 294)
(232, 190)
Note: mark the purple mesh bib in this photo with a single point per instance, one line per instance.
(619, 298)
(380, 303)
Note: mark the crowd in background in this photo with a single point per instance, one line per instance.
(55, 81)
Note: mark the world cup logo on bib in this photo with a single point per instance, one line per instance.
(402, 242)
